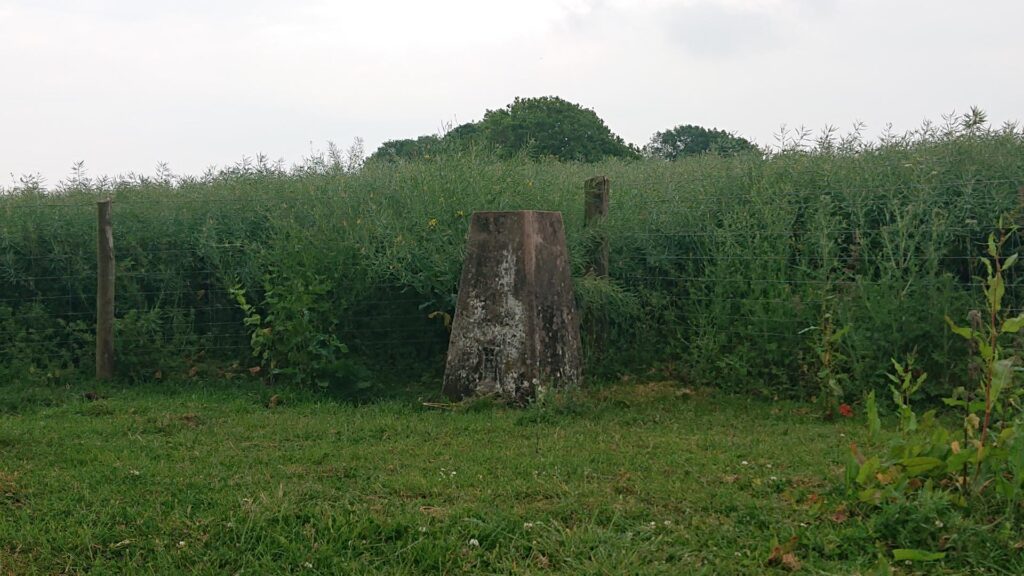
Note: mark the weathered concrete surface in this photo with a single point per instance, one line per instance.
(515, 330)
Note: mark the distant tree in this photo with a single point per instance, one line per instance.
(541, 127)
(690, 140)
(407, 149)
(549, 126)
(464, 133)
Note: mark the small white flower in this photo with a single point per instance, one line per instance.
(768, 465)
(423, 529)
(527, 525)
(744, 462)
(474, 542)
(134, 472)
(307, 564)
(939, 524)
(667, 522)
(772, 478)
(652, 524)
(181, 544)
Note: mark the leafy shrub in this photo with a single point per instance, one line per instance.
(719, 265)
(155, 343)
(295, 339)
(929, 469)
(40, 346)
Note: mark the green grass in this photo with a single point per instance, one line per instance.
(622, 479)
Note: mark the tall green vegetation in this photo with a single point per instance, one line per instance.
(972, 470)
(736, 269)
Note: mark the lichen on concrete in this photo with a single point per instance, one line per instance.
(515, 327)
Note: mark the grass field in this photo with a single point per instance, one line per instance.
(796, 275)
(626, 479)
(629, 478)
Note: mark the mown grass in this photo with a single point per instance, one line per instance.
(622, 479)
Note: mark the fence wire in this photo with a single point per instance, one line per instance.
(686, 273)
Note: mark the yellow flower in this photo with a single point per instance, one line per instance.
(432, 222)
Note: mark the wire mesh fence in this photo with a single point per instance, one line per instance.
(734, 274)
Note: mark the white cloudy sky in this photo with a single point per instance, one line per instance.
(124, 84)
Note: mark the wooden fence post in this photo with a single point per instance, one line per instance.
(104, 292)
(596, 192)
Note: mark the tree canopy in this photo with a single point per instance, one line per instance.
(690, 140)
(547, 126)
(407, 149)
(551, 127)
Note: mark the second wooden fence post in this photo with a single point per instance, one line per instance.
(104, 292)
(596, 191)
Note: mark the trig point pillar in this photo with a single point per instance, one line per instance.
(515, 330)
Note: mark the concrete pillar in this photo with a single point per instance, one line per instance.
(515, 330)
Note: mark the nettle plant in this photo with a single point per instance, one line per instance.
(831, 373)
(981, 461)
(294, 338)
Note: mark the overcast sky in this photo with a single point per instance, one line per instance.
(125, 84)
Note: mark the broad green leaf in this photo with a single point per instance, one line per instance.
(908, 419)
(918, 383)
(993, 251)
(852, 468)
(964, 331)
(955, 462)
(870, 496)
(914, 555)
(1002, 374)
(1013, 325)
(874, 422)
(995, 292)
(984, 350)
(867, 470)
(897, 397)
(1010, 261)
(920, 465)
